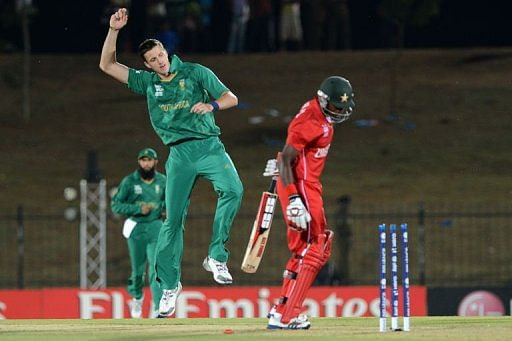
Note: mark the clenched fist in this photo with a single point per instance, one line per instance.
(119, 19)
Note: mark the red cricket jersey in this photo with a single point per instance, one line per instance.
(310, 133)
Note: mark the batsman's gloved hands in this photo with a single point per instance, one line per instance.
(271, 168)
(297, 213)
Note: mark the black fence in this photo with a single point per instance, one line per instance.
(466, 245)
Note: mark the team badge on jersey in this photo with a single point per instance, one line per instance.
(157, 189)
(182, 84)
(159, 90)
(137, 189)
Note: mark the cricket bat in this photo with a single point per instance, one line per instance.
(260, 229)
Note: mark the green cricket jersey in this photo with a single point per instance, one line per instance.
(169, 102)
(133, 191)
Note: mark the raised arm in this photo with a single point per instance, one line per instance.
(108, 62)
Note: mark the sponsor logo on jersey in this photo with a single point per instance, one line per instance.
(159, 90)
(174, 106)
(137, 189)
(322, 152)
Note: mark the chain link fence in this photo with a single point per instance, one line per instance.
(461, 245)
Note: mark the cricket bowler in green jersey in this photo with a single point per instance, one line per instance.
(141, 198)
(182, 98)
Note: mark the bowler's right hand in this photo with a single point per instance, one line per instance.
(119, 19)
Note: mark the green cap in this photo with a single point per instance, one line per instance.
(149, 153)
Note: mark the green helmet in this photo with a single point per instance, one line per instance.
(337, 91)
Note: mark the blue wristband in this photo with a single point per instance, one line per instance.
(215, 106)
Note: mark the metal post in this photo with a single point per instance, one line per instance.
(344, 238)
(93, 243)
(21, 247)
(25, 25)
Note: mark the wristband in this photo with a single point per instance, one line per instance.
(291, 190)
(215, 106)
(113, 29)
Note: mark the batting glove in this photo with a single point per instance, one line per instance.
(271, 168)
(297, 213)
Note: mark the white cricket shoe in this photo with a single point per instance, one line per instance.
(299, 322)
(167, 304)
(154, 314)
(219, 269)
(135, 306)
(301, 317)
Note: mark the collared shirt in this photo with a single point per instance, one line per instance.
(169, 102)
(310, 133)
(133, 191)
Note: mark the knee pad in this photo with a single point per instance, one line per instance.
(329, 236)
(319, 250)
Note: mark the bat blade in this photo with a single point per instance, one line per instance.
(260, 231)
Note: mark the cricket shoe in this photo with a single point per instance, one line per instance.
(300, 322)
(219, 269)
(154, 314)
(136, 307)
(301, 317)
(167, 304)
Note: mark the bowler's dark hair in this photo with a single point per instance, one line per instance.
(147, 45)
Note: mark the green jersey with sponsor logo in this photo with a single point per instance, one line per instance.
(133, 191)
(169, 102)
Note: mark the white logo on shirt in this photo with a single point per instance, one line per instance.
(322, 152)
(159, 90)
(137, 189)
(325, 128)
(157, 189)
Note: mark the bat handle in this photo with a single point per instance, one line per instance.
(272, 187)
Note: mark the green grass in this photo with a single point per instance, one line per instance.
(422, 328)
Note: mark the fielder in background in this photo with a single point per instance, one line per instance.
(141, 197)
(301, 164)
(182, 98)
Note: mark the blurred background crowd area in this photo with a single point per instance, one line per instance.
(237, 26)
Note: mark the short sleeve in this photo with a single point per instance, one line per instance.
(139, 80)
(209, 81)
(302, 131)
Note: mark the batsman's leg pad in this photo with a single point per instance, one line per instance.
(329, 236)
(314, 259)
(289, 277)
(305, 278)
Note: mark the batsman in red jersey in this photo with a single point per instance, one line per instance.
(301, 164)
